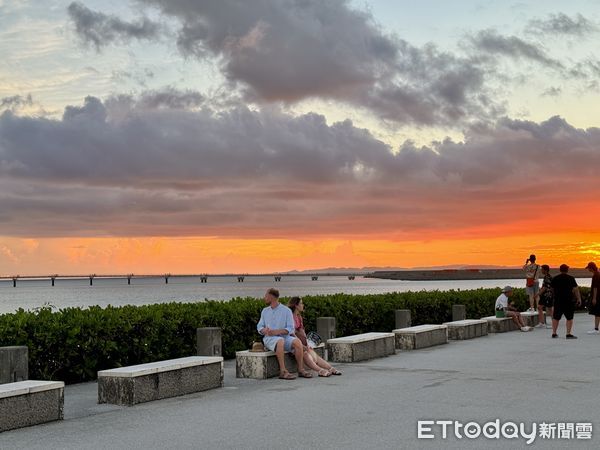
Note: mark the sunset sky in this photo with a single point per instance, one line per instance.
(203, 136)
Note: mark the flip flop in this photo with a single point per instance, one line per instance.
(286, 376)
(305, 374)
(324, 373)
(334, 371)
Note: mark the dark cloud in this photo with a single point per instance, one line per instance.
(15, 102)
(129, 166)
(98, 29)
(490, 42)
(562, 24)
(288, 50)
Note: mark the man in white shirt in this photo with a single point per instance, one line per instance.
(276, 325)
(503, 302)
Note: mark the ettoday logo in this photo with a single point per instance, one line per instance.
(434, 429)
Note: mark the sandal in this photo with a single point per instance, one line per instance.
(324, 373)
(286, 376)
(305, 374)
(334, 371)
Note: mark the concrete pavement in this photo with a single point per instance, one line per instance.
(518, 377)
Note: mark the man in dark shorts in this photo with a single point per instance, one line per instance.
(594, 305)
(565, 290)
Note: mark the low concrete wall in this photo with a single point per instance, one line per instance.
(531, 318)
(326, 328)
(147, 382)
(459, 312)
(421, 336)
(500, 325)
(402, 317)
(209, 341)
(361, 347)
(31, 402)
(466, 329)
(263, 365)
(14, 364)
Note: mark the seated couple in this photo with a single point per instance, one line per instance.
(503, 302)
(283, 331)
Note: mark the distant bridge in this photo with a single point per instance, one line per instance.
(203, 277)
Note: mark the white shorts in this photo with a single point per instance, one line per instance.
(271, 341)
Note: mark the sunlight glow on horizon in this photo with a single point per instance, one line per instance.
(156, 255)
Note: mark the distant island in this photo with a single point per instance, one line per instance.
(462, 274)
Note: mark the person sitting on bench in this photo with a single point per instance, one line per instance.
(276, 325)
(311, 359)
(503, 302)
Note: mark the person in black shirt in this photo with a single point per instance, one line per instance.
(565, 289)
(594, 305)
(545, 297)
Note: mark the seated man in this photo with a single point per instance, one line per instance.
(503, 302)
(277, 326)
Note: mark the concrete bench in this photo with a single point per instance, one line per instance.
(263, 365)
(161, 379)
(421, 336)
(531, 318)
(459, 330)
(361, 347)
(500, 325)
(30, 402)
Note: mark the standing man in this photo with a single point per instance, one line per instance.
(532, 275)
(565, 290)
(276, 324)
(594, 307)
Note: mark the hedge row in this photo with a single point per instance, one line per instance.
(72, 344)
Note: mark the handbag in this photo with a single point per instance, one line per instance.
(531, 281)
(313, 339)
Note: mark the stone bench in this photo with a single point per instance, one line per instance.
(361, 347)
(500, 324)
(421, 336)
(263, 365)
(459, 330)
(30, 402)
(161, 379)
(531, 318)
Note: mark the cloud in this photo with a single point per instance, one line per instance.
(490, 42)
(288, 51)
(99, 30)
(15, 102)
(170, 98)
(128, 166)
(552, 91)
(562, 24)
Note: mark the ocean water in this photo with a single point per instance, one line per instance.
(30, 294)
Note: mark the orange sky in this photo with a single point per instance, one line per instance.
(210, 255)
(274, 141)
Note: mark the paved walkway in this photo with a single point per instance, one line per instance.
(519, 377)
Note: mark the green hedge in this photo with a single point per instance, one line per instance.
(72, 344)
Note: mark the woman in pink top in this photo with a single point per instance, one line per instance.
(311, 359)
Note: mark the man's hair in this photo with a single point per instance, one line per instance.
(546, 267)
(274, 292)
(564, 268)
